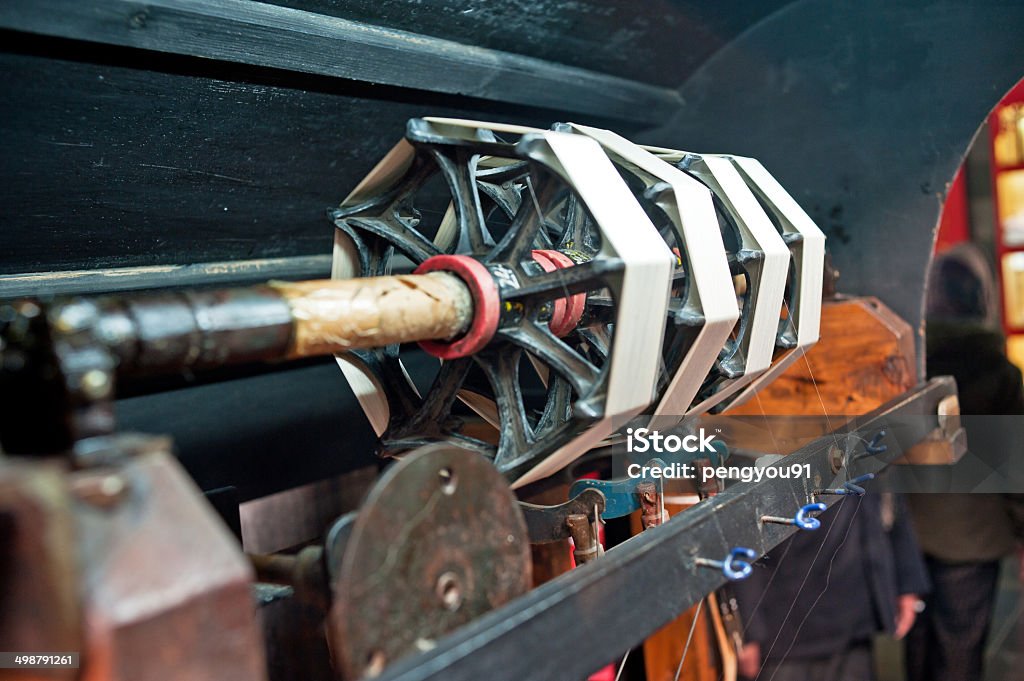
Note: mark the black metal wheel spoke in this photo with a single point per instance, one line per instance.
(557, 408)
(507, 197)
(378, 205)
(596, 345)
(504, 173)
(437, 402)
(521, 237)
(581, 374)
(397, 232)
(466, 442)
(386, 366)
(578, 232)
(501, 366)
(588, 276)
(459, 168)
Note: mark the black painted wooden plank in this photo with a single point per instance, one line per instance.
(234, 273)
(260, 434)
(295, 40)
(654, 41)
(122, 158)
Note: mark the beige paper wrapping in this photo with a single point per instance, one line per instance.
(333, 316)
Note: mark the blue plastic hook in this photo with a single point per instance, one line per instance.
(875, 446)
(736, 565)
(802, 519)
(854, 486)
(850, 487)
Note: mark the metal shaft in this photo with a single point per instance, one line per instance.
(161, 333)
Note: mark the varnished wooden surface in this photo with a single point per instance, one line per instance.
(663, 650)
(865, 357)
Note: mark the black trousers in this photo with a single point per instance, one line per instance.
(947, 642)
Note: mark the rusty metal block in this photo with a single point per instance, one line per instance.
(39, 610)
(166, 590)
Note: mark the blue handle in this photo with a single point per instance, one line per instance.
(619, 493)
(734, 567)
(804, 521)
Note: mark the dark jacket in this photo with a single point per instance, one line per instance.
(990, 389)
(825, 590)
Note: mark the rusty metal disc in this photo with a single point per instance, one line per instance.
(439, 541)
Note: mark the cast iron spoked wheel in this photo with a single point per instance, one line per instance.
(731, 363)
(685, 310)
(531, 231)
(778, 261)
(685, 320)
(749, 264)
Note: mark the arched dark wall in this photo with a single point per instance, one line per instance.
(864, 111)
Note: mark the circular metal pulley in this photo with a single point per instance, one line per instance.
(439, 541)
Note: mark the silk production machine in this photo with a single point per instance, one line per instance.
(312, 372)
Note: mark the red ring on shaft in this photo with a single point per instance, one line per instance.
(486, 305)
(567, 311)
(558, 313)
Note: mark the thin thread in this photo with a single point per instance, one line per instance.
(750, 615)
(828, 578)
(803, 583)
(824, 411)
(622, 665)
(689, 639)
(541, 225)
(767, 424)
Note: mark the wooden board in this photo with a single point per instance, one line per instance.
(664, 649)
(864, 358)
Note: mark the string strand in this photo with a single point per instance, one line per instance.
(800, 589)
(689, 639)
(828, 578)
(622, 665)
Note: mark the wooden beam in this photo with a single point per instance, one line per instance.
(108, 280)
(283, 38)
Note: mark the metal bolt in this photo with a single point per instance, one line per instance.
(449, 591)
(850, 487)
(836, 458)
(449, 481)
(103, 491)
(735, 566)
(802, 519)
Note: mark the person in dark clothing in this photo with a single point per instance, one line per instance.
(814, 603)
(962, 554)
